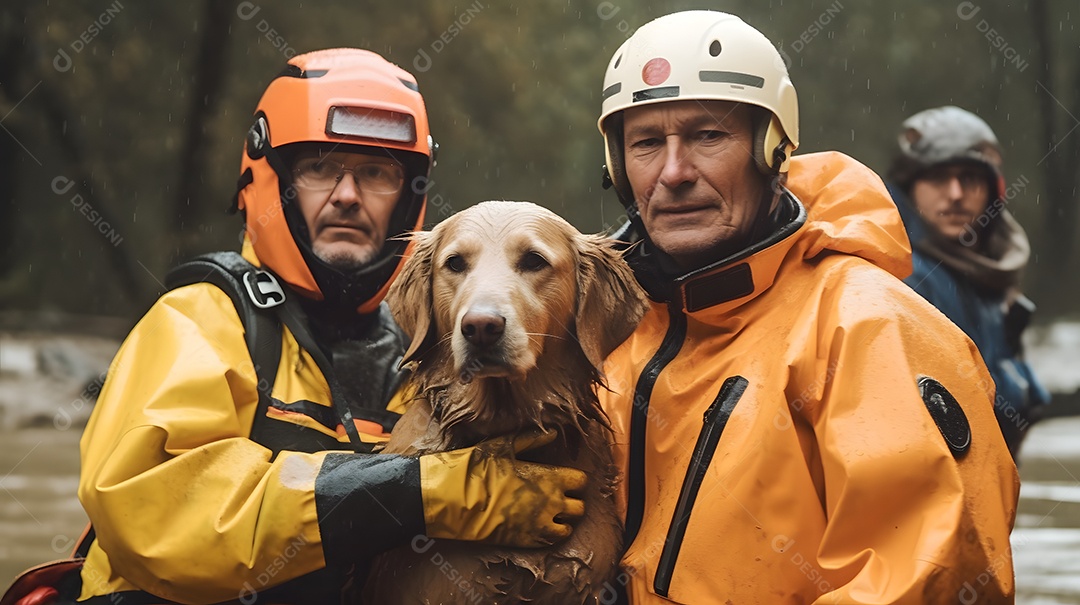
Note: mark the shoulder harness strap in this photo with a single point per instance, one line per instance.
(250, 289)
(264, 307)
(253, 292)
(260, 302)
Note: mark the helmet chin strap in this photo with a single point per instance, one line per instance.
(763, 221)
(772, 179)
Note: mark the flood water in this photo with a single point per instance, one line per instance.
(40, 516)
(1046, 540)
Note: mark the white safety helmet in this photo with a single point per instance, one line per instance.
(706, 55)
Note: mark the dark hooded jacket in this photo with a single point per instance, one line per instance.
(974, 282)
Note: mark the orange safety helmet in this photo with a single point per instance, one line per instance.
(353, 100)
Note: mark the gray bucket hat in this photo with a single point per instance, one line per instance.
(945, 134)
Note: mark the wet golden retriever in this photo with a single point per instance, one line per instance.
(511, 312)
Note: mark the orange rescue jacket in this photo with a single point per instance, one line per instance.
(831, 482)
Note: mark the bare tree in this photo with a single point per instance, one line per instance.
(13, 66)
(51, 106)
(209, 73)
(1061, 142)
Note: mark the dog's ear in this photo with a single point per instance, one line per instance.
(610, 301)
(409, 297)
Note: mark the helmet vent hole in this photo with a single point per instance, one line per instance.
(715, 48)
(617, 61)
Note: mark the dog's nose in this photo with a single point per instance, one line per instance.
(482, 328)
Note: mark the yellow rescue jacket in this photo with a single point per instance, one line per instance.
(831, 481)
(186, 506)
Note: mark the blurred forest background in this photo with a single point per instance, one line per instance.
(122, 124)
(123, 121)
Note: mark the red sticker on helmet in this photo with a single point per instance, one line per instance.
(656, 71)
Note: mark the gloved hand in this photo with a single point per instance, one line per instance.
(485, 493)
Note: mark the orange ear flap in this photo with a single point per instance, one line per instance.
(409, 297)
(610, 301)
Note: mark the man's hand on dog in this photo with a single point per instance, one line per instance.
(484, 493)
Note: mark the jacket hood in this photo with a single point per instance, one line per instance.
(849, 211)
(992, 257)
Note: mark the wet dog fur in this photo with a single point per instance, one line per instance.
(511, 312)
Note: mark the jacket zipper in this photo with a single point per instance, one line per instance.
(715, 420)
(639, 419)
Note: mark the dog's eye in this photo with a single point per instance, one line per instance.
(456, 263)
(532, 261)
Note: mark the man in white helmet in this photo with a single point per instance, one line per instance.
(968, 252)
(795, 425)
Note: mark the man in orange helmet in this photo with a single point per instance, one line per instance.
(794, 423)
(211, 474)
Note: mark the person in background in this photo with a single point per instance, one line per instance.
(795, 425)
(968, 252)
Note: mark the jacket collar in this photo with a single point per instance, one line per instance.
(729, 282)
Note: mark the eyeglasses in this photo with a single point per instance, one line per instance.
(970, 178)
(321, 174)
